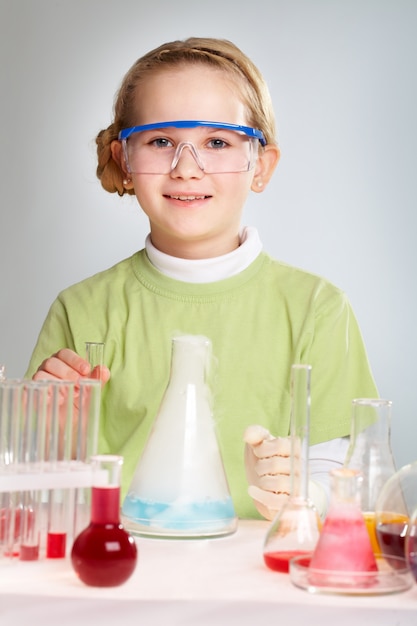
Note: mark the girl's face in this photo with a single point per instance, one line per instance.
(193, 214)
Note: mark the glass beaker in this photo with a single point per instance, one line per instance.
(296, 528)
(344, 544)
(370, 452)
(394, 509)
(179, 488)
(104, 554)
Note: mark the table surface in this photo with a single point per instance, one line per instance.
(196, 582)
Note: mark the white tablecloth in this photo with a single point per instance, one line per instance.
(220, 581)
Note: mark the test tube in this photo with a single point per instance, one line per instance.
(34, 404)
(10, 502)
(94, 354)
(86, 443)
(60, 423)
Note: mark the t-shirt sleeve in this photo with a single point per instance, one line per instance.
(54, 335)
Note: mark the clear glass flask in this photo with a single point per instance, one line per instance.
(179, 488)
(296, 528)
(370, 452)
(104, 554)
(394, 511)
(344, 544)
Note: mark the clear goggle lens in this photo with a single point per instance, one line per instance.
(218, 150)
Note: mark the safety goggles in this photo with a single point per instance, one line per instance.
(221, 148)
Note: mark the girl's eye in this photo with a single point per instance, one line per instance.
(217, 144)
(161, 142)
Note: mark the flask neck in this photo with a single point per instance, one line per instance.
(105, 505)
(300, 429)
(345, 487)
(190, 359)
(105, 492)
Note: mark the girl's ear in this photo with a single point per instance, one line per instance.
(118, 157)
(265, 165)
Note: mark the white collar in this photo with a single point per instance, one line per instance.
(208, 270)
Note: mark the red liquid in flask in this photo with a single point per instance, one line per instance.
(104, 554)
(412, 555)
(280, 561)
(391, 538)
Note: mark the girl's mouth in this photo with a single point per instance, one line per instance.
(188, 198)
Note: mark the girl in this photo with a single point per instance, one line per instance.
(193, 134)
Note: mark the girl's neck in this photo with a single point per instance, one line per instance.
(210, 269)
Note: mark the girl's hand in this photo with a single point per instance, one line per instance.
(68, 365)
(267, 464)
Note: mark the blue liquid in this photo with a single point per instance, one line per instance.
(202, 516)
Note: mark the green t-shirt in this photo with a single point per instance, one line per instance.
(260, 322)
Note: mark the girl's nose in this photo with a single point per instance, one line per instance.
(187, 162)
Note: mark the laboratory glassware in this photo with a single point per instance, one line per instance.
(32, 457)
(296, 527)
(344, 544)
(179, 487)
(94, 351)
(410, 547)
(87, 427)
(58, 453)
(370, 452)
(104, 554)
(394, 509)
(85, 443)
(10, 501)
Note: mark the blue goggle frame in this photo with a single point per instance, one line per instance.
(247, 130)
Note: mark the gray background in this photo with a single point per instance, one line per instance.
(343, 77)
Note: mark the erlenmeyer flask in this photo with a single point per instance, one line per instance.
(296, 528)
(370, 452)
(179, 488)
(344, 544)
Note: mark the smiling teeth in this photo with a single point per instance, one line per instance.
(188, 197)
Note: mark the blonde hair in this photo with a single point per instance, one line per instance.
(217, 53)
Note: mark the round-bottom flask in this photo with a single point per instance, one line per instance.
(104, 554)
(411, 545)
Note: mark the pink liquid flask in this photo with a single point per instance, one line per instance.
(104, 554)
(344, 545)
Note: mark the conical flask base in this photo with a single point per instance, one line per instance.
(179, 519)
